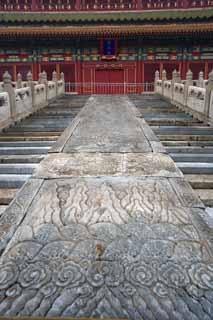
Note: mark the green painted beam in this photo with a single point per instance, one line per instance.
(144, 16)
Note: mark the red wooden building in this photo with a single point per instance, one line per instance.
(106, 46)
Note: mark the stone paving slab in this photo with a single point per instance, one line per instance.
(107, 235)
(108, 125)
(65, 165)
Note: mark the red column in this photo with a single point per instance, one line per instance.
(34, 5)
(139, 4)
(35, 71)
(161, 69)
(183, 69)
(206, 71)
(185, 4)
(78, 5)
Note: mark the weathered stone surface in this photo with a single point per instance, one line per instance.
(101, 164)
(95, 246)
(109, 235)
(186, 194)
(107, 126)
(14, 214)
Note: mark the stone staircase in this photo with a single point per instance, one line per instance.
(25, 144)
(188, 141)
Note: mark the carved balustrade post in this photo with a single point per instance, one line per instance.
(157, 77)
(164, 78)
(209, 96)
(174, 80)
(8, 87)
(31, 85)
(45, 82)
(19, 81)
(178, 77)
(63, 79)
(55, 79)
(188, 82)
(200, 82)
(40, 78)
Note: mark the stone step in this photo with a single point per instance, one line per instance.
(206, 195)
(23, 150)
(179, 137)
(149, 109)
(195, 167)
(47, 123)
(184, 157)
(27, 138)
(60, 112)
(181, 130)
(36, 129)
(168, 122)
(161, 115)
(200, 181)
(13, 180)
(188, 144)
(30, 134)
(7, 195)
(26, 143)
(44, 117)
(21, 158)
(190, 150)
(26, 168)
(47, 119)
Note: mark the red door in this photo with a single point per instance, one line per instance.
(116, 80)
(101, 81)
(109, 81)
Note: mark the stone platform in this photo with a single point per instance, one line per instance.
(107, 228)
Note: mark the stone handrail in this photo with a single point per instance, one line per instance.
(178, 95)
(51, 92)
(23, 101)
(39, 95)
(19, 99)
(167, 89)
(60, 87)
(4, 109)
(195, 96)
(196, 99)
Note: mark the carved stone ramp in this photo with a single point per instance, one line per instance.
(107, 228)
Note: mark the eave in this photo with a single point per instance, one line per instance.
(105, 30)
(93, 17)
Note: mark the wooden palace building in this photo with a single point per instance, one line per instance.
(99, 44)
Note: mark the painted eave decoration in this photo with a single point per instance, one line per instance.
(77, 17)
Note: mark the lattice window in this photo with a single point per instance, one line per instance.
(109, 4)
(57, 5)
(14, 5)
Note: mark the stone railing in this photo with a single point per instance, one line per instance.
(39, 95)
(51, 92)
(178, 93)
(195, 99)
(23, 101)
(21, 98)
(166, 86)
(4, 108)
(60, 87)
